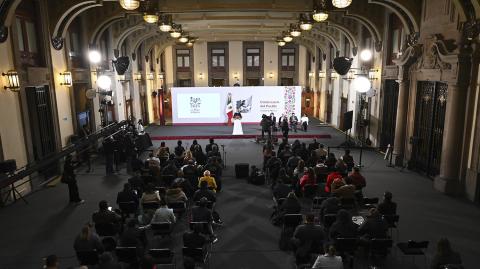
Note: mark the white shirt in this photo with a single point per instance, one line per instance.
(328, 262)
(140, 128)
(304, 119)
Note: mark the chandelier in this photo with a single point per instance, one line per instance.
(165, 27)
(320, 16)
(150, 17)
(287, 38)
(183, 39)
(280, 42)
(176, 31)
(294, 31)
(341, 3)
(306, 25)
(129, 4)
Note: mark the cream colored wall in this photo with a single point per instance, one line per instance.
(200, 64)
(270, 60)
(235, 62)
(62, 95)
(169, 67)
(302, 66)
(134, 87)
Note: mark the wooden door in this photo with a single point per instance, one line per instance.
(389, 114)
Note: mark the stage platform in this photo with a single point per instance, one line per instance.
(250, 131)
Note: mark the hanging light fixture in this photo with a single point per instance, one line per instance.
(341, 3)
(129, 4)
(294, 31)
(183, 39)
(320, 12)
(280, 42)
(305, 23)
(287, 37)
(165, 24)
(176, 31)
(361, 84)
(190, 42)
(150, 17)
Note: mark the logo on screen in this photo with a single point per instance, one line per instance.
(195, 103)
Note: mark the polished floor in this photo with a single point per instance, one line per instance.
(47, 224)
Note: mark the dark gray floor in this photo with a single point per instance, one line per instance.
(48, 225)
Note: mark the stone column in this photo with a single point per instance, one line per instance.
(448, 180)
(401, 122)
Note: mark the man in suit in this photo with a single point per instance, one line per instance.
(274, 122)
(293, 122)
(266, 126)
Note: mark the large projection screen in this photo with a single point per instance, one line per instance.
(208, 105)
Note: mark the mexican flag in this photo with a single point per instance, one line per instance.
(229, 108)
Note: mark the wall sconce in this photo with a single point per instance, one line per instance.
(150, 76)
(13, 83)
(235, 75)
(373, 74)
(201, 76)
(270, 75)
(310, 74)
(334, 75)
(160, 76)
(322, 74)
(66, 79)
(122, 78)
(351, 75)
(138, 76)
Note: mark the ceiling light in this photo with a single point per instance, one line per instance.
(288, 38)
(295, 32)
(306, 25)
(150, 17)
(320, 15)
(341, 3)
(361, 84)
(104, 82)
(165, 27)
(129, 4)
(183, 39)
(281, 43)
(366, 55)
(94, 56)
(175, 34)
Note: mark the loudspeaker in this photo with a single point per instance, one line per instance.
(347, 120)
(8, 166)
(342, 65)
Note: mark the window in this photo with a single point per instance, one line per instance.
(253, 58)
(104, 45)
(27, 41)
(218, 58)
(76, 48)
(183, 59)
(395, 38)
(288, 58)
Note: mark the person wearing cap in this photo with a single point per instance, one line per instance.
(387, 207)
(201, 213)
(212, 184)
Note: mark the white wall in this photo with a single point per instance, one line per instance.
(235, 63)
(270, 60)
(200, 59)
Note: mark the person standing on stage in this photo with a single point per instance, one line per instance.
(304, 121)
(284, 127)
(274, 122)
(69, 178)
(280, 120)
(229, 109)
(293, 122)
(266, 126)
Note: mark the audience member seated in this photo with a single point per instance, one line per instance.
(179, 150)
(373, 226)
(321, 171)
(329, 206)
(293, 162)
(291, 205)
(273, 166)
(163, 214)
(357, 179)
(212, 184)
(299, 170)
(152, 160)
(51, 262)
(313, 146)
(201, 213)
(343, 190)
(321, 152)
(150, 195)
(214, 166)
(183, 183)
(214, 152)
(211, 143)
(204, 192)
(106, 216)
(127, 195)
(175, 195)
(303, 152)
(282, 145)
(285, 154)
(296, 146)
(341, 166)
(330, 178)
(132, 236)
(348, 159)
(445, 255)
(87, 240)
(188, 157)
(307, 239)
(331, 161)
(171, 167)
(387, 207)
(312, 159)
(283, 177)
(329, 260)
(195, 146)
(193, 239)
(282, 189)
(343, 226)
(163, 151)
(106, 261)
(308, 178)
(199, 156)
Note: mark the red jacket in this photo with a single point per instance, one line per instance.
(307, 180)
(330, 178)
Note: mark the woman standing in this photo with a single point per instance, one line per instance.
(69, 178)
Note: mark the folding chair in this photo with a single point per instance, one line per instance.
(310, 191)
(127, 254)
(178, 207)
(413, 248)
(161, 228)
(163, 257)
(105, 229)
(347, 247)
(379, 247)
(329, 219)
(204, 230)
(317, 202)
(199, 255)
(128, 208)
(150, 206)
(347, 203)
(392, 221)
(87, 257)
(370, 202)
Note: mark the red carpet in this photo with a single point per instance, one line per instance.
(248, 136)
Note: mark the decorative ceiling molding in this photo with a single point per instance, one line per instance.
(97, 33)
(124, 35)
(314, 34)
(408, 20)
